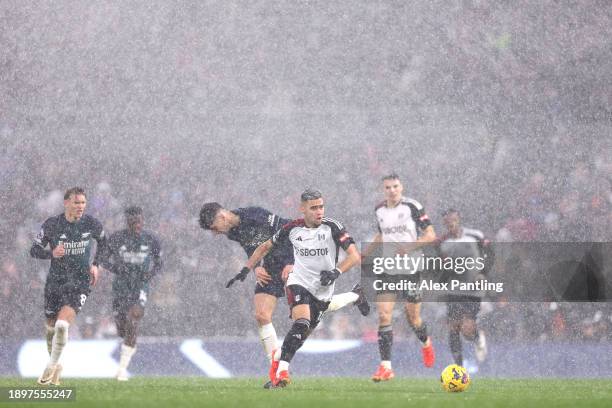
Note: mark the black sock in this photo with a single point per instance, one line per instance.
(421, 332)
(455, 346)
(295, 338)
(385, 342)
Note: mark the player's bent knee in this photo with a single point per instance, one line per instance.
(66, 313)
(136, 313)
(468, 328)
(414, 318)
(263, 314)
(454, 325)
(385, 317)
(263, 318)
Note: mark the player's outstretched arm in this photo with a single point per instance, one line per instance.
(352, 258)
(427, 237)
(369, 250)
(259, 254)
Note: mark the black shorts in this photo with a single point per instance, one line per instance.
(409, 296)
(462, 307)
(123, 302)
(71, 293)
(298, 295)
(276, 287)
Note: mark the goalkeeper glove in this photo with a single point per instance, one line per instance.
(240, 277)
(328, 277)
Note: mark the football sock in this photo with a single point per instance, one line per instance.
(386, 364)
(294, 339)
(59, 341)
(126, 355)
(455, 346)
(282, 366)
(130, 329)
(421, 332)
(341, 300)
(267, 334)
(49, 336)
(385, 342)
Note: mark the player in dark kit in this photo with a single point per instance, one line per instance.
(316, 241)
(250, 227)
(69, 237)
(134, 258)
(462, 310)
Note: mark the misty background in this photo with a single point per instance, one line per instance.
(503, 111)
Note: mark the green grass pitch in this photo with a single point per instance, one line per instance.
(176, 392)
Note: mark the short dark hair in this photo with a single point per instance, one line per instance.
(208, 213)
(391, 176)
(132, 211)
(449, 212)
(311, 194)
(74, 191)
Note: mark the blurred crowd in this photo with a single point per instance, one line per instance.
(499, 110)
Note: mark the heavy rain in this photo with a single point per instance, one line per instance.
(501, 110)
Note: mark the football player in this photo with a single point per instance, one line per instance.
(69, 237)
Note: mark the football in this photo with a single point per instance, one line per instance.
(455, 378)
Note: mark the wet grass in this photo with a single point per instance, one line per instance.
(177, 392)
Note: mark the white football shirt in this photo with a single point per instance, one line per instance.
(314, 250)
(400, 223)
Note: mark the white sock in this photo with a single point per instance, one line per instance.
(267, 334)
(341, 300)
(282, 366)
(59, 341)
(386, 364)
(126, 355)
(49, 336)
